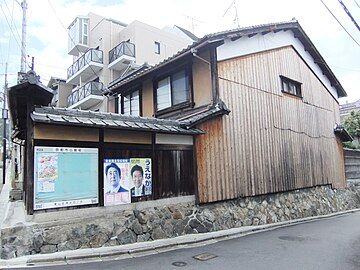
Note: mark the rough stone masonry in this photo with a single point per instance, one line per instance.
(130, 226)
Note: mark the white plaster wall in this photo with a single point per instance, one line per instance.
(174, 139)
(144, 36)
(258, 43)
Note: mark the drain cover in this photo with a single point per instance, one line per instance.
(204, 256)
(179, 264)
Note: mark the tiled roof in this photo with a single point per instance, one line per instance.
(237, 33)
(196, 117)
(99, 119)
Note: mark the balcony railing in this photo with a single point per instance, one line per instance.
(124, 48)
(90, 88)
(91, 55)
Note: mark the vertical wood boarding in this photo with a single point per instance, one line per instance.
(270, 141)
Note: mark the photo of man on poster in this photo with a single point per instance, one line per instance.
(137, 176)
(113, 175)
(116, 175)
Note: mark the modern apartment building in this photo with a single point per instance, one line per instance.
(104, 50)
(347, 108)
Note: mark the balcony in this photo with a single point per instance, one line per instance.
(85, 67)
(86, 96)
(122, 55)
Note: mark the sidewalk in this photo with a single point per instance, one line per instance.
(150, 247)
(4, 197)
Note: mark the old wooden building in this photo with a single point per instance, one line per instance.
(238, 113)
(282, 96)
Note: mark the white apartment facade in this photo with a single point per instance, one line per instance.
(104, 49)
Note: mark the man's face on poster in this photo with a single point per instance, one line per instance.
(113, 177)
(137, 178)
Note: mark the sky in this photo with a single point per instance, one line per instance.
(47, 22)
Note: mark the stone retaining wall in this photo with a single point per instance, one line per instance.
(129, 226)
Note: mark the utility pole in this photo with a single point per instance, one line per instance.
(4, 116)
(23, 37)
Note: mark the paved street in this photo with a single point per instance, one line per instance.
(332, 243)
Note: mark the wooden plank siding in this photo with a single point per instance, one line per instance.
(270, 141)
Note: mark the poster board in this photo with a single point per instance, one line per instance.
(65, 176)
(125, 179)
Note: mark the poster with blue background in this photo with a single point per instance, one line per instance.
(65, 176)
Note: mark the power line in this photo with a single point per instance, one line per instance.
(12, 20)
(356, 3)
(340, 23)
(10, 27)
(349, 14)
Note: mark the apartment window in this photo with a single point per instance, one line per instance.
(130, 103)
(157, 47)
(290, 86)
(173, 90)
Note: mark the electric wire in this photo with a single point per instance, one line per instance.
(10, 27)
(349, 14)
(339, 23)
(12, 20)
(356, 3)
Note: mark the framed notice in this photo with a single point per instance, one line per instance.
(125, 179)
(65, 176)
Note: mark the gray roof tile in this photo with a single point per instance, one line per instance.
(99, 119)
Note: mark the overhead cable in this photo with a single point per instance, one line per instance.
(349, 14)
(339, 23)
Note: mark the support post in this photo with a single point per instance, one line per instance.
(4, 116)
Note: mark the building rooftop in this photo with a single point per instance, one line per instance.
(237, 33)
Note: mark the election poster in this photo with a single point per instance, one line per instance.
(125, 179)
(116, 182)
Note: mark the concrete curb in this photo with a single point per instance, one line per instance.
(151, 247)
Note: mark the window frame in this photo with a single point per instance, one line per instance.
(182, 105)
(130, 92)
(297, 85)
(157, 47)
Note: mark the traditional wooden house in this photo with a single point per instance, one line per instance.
(266, 101)
(238, 113)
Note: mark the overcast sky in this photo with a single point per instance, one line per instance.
(47, 21)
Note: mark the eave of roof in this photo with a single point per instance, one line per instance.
(50, 115)
(197, 117)
(342, 133)
(237, 33)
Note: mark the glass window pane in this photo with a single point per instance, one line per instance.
(163, 94)
(180, 91)
(119, 104)
(157, 47)
(80, 30)
(127, 105)
(135, 108)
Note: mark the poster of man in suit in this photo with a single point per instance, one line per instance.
(125, 179)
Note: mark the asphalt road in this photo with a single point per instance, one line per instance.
(332, 243)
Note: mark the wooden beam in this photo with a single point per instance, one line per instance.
(214, 76)
(29, 192)
(235, 38)
(154, 166)
(265, 32)
(101, 167)
(251, 35)
(195, 178)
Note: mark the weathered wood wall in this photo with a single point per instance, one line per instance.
(270, 141)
